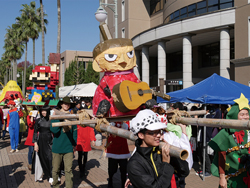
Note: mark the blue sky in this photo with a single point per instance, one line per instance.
(79, 28)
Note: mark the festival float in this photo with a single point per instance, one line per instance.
(12, 92)
(45, 79)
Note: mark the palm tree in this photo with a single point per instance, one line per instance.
(13, 46)
(42, 21)
(58, 27)
(29, 23)
(39, 30)
(5, 64)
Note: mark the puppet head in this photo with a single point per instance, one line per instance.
(114, 55)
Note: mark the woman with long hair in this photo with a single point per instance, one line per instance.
(42, 140)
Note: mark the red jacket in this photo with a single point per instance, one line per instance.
(84, 136)
(111, 80)
(28, 141)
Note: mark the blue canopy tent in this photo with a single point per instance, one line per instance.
(213, 90)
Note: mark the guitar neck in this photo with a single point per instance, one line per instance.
(162, 95)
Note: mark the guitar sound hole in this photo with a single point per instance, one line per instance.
(140, 92)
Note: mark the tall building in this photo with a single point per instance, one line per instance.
(185, 42)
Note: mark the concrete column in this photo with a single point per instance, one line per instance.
(225, 53)
(187, 61)
(162, 62)
(138, 64)
(145, 64)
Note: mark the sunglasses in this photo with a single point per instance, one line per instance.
(154, 133)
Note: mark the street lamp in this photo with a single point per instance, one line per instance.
(101, 14)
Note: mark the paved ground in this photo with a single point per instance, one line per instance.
(14, 172)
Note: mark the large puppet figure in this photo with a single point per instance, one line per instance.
(116, 58)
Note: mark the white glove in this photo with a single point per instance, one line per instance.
(7, 129)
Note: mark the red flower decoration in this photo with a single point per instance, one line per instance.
(239, 136)
(247, 180)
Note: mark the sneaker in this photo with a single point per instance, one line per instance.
(198, 173)
(51, 180)
(12, 151)
(17, 150)
(206, 174)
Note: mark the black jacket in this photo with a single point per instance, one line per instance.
(141, 171)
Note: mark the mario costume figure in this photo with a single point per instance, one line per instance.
(232, 147)
(13, 126)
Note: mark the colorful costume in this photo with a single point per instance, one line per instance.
(110, 80)
(230, 146)
(84, 136)
(14, 125)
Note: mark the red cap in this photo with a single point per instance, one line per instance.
(11, 102)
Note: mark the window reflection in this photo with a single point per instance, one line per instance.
(199, 8)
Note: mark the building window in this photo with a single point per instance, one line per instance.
(226, 4)
(192, 10)
(155, 6)
(199, 8)
(232, 49)
(123, 10)
(174, 62)
(183, 12)
(213, 5)
(123, 32)
(202, 7)
(176, 15)
(209, 55)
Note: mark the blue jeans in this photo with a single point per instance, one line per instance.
(30, 153)
(14, 137)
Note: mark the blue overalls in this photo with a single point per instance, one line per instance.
(14, 126)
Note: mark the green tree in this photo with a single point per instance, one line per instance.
(91, 75)
(13, 46)
(5, 64)
(29, 25)
(74, 74)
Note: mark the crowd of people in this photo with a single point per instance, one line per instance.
(51, 149)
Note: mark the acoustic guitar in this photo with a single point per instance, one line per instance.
(129, 95)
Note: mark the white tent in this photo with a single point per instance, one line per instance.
(87, 91)
(81, 90)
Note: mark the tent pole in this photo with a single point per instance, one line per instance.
(204, 147)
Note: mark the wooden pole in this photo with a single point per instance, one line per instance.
(223, 123)
(174, 151)
(121, 118)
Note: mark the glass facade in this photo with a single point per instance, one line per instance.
(199, 8)
(156, 6)
(209, 55)
(174, 62)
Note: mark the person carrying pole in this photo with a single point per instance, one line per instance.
(232, 160)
